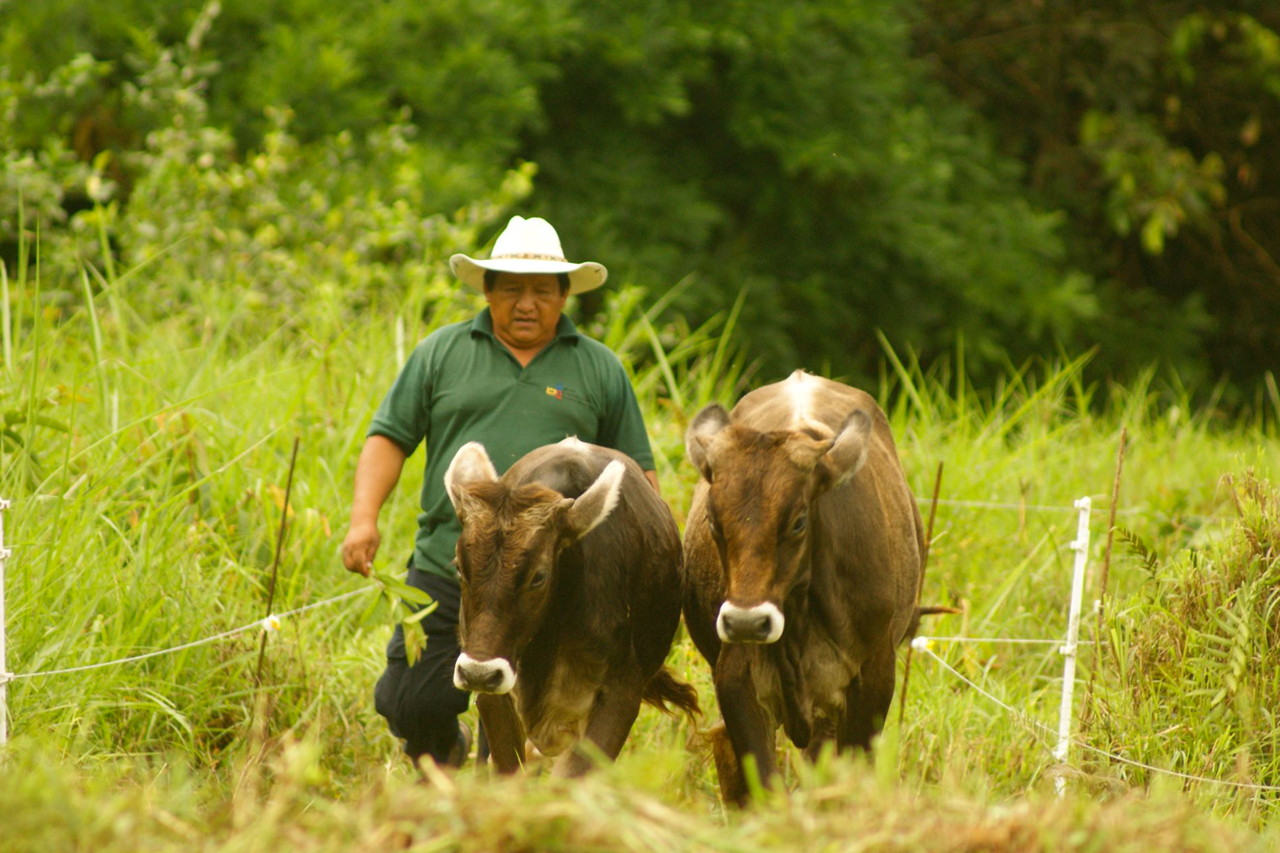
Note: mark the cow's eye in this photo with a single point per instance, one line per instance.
(537, 579)
(797, 526)
(714, 525)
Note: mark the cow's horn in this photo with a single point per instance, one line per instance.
(594, 505)
(470, 465)
(706, 424)
(849, 452)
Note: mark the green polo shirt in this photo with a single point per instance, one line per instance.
(461, 384)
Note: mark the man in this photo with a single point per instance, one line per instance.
(517, 377)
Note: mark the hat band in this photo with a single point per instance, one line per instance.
(528, 256)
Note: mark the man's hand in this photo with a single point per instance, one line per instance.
(376, 475)
(360, 547)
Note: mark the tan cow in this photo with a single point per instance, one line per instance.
(803, 556)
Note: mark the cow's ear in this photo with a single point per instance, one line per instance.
(848, 452)
(697, 440)
(470, 465)
(594, 505)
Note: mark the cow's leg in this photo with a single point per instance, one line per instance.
(824, 732)
(504, 730)
(749, 728)
(609, 722)
(868, 700)
(733, 787)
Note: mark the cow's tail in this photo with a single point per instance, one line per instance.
(664, 687)
(914, 627)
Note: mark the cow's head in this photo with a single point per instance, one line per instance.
(762, 489)
(511, 541)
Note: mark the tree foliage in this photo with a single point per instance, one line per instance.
(1013, 176)
(1153, 126)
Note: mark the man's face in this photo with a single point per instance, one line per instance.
(525, 308)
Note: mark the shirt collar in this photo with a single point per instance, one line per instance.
(483, 324)
(565, 330)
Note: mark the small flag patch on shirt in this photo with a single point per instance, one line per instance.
(556, 391)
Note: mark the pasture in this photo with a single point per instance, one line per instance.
(146, 449)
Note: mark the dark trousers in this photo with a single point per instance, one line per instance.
(420, 702)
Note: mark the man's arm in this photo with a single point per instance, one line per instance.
(652, 477)
(377, 472)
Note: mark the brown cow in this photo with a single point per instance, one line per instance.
(570, 571)
(802, 561)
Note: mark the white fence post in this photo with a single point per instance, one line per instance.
(1081, 546)
(5, 676)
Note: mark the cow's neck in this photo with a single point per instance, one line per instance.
(787, 656)
(824, 591)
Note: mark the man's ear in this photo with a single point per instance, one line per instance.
(470, 465)
(594, 505)
(697, 439)
(848, 452)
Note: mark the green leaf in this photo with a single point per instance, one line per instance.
(402, 589)
(11, 418)
(414, 618)
(1153, 234)
(415, 640)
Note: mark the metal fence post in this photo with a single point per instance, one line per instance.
(5, 675)
(1081, 546)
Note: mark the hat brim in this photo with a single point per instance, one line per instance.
(582, 277)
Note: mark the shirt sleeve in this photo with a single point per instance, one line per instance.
(622, 426)
(403, 414)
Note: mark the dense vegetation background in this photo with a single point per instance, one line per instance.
(223, 225)
(1000, 177)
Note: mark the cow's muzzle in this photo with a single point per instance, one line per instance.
(760, 624)
(483, 676)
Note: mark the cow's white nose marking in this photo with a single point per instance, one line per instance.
(483, 676)
(760, 624)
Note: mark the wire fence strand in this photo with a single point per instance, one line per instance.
(268, 624)
(1036, 724)
(1018, 506)
(1009, 640)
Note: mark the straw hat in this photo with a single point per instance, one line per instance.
(529, 246)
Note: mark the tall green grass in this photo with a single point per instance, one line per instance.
(836, 806)
(146, 455)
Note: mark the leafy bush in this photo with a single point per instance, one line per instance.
(1153, 127)
(41, 184)
(798, 151)
(317, 228)
(322, 227)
